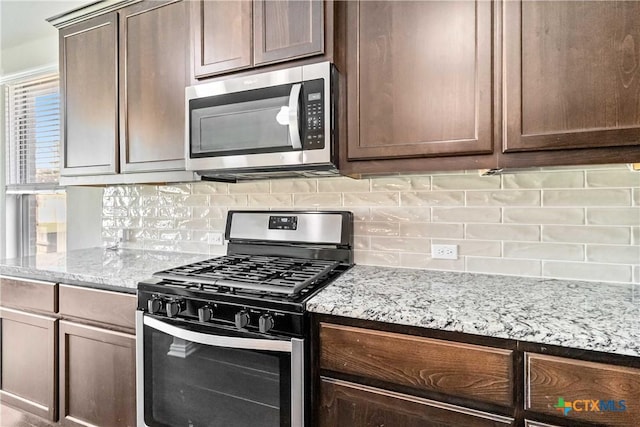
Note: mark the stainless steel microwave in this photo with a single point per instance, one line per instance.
(279, 123)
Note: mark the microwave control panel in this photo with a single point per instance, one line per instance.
(313, 93)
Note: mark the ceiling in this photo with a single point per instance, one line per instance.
(24, 20)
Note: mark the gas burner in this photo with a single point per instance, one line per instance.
(272, 274)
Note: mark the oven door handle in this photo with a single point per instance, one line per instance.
(217, 340)
(294, 116)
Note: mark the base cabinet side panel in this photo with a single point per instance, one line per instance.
(97, 377)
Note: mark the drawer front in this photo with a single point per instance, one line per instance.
(457, 369)
(99, 306)
(354, 405)
(28, 294)
(574, 389)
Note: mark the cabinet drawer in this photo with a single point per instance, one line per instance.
(28, 294)
(98, 306)
(590, 391)
(354, 405)
(457, 369)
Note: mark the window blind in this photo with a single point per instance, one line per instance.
(33, 133)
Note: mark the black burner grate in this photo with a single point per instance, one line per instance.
(254, 272)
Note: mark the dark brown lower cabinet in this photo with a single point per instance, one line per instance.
(355, 405)
(97, 376)
(28, 369)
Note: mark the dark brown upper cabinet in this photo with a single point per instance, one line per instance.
(154, 72)
(89, 94)
(123, 74)
(419, 82)
(571, 81)
(234, 35)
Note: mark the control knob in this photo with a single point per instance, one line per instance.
(265, 323)
(154, 305)
(205, 313)
(174, 307)
(242, 319)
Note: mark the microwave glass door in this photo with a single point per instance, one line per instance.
(192, 384)
(260, 120)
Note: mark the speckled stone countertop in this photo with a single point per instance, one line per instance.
(119, 270)
(584, 315)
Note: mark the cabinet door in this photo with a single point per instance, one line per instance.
(419, 79)
(221, 37)
(354, 405)
(154, 48)
(285, 30)
(89, 94)
(28, 367)
(97, 377)
(572, 76)
(585, 391)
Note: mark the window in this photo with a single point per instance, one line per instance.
(32, 109)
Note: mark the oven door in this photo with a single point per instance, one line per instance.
(216, 377)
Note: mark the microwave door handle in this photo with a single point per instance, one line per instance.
(294, 116)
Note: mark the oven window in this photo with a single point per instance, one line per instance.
(193, 385)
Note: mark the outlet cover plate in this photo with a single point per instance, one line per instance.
(444, 251)
(216, 239)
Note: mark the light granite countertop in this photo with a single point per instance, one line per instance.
(584, 315)
(118, 270)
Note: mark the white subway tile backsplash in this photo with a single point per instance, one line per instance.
(371, 199)
(512, 267)
(503, 198)
(572, 222)
(343, 185)
(586, 234)
(401, 214)
(587, 197)
(544, 215)
(613, 178)
(250, 187)
(613, 216)
(615, 254)
(543, 180)
(428, 230)
(471, 181)
(317, 199)
(294, 186)
(537, 250)
(432, 198)
(413, 260)
(373, 228)
(400, 244)
(466, 215)
(401, 183)
(524, 233)
(588, 271)
(270, 200)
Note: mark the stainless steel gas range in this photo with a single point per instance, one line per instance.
(225, 342)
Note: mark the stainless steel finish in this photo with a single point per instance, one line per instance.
(216, 340)
(295, 346)
(315, 228)
(297, 382)
(263, 165)
(294, 116)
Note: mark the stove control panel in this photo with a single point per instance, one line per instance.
(248, 317)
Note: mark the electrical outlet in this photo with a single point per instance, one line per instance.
(444, 251)
(216, 239)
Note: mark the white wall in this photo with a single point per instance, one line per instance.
(84, 224)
